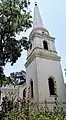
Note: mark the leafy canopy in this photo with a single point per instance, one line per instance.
(14, 18)
(22, 110)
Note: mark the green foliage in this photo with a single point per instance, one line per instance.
(14, 18)
(3, 79)
(9, 108)
(22, 110)
(13, 115)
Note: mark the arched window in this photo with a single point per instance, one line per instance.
(51, 86)
(31, 85)
(45, 45)
(24, 93)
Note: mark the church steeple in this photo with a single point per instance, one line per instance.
(43, 65)
(37, 21)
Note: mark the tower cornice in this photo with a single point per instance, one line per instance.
(38, 52)
(40, 34)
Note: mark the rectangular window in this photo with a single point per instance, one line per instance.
(31, 89)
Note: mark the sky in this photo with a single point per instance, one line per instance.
(53, 13)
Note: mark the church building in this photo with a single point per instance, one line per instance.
(44, 75)
(43, 69)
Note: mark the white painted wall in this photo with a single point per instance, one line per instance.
(31, 73)
(41, 68)
(39, 71)
(37, 41)
(10, 91)
(45, 69)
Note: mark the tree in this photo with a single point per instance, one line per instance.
(14, 18)
(28, 111)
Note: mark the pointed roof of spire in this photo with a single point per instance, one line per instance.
(37, 21)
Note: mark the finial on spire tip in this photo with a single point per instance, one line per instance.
(35, 3)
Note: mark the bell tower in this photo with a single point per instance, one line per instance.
(43, 67)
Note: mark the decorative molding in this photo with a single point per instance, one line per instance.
(50, 102)
(6, 89)
(35, 33)
(53, 51)
(44, 30)
(37, 52)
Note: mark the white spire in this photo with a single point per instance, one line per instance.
(37, 21)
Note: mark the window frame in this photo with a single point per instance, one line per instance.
(51, 88)
(45, 45)
(31, 88)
